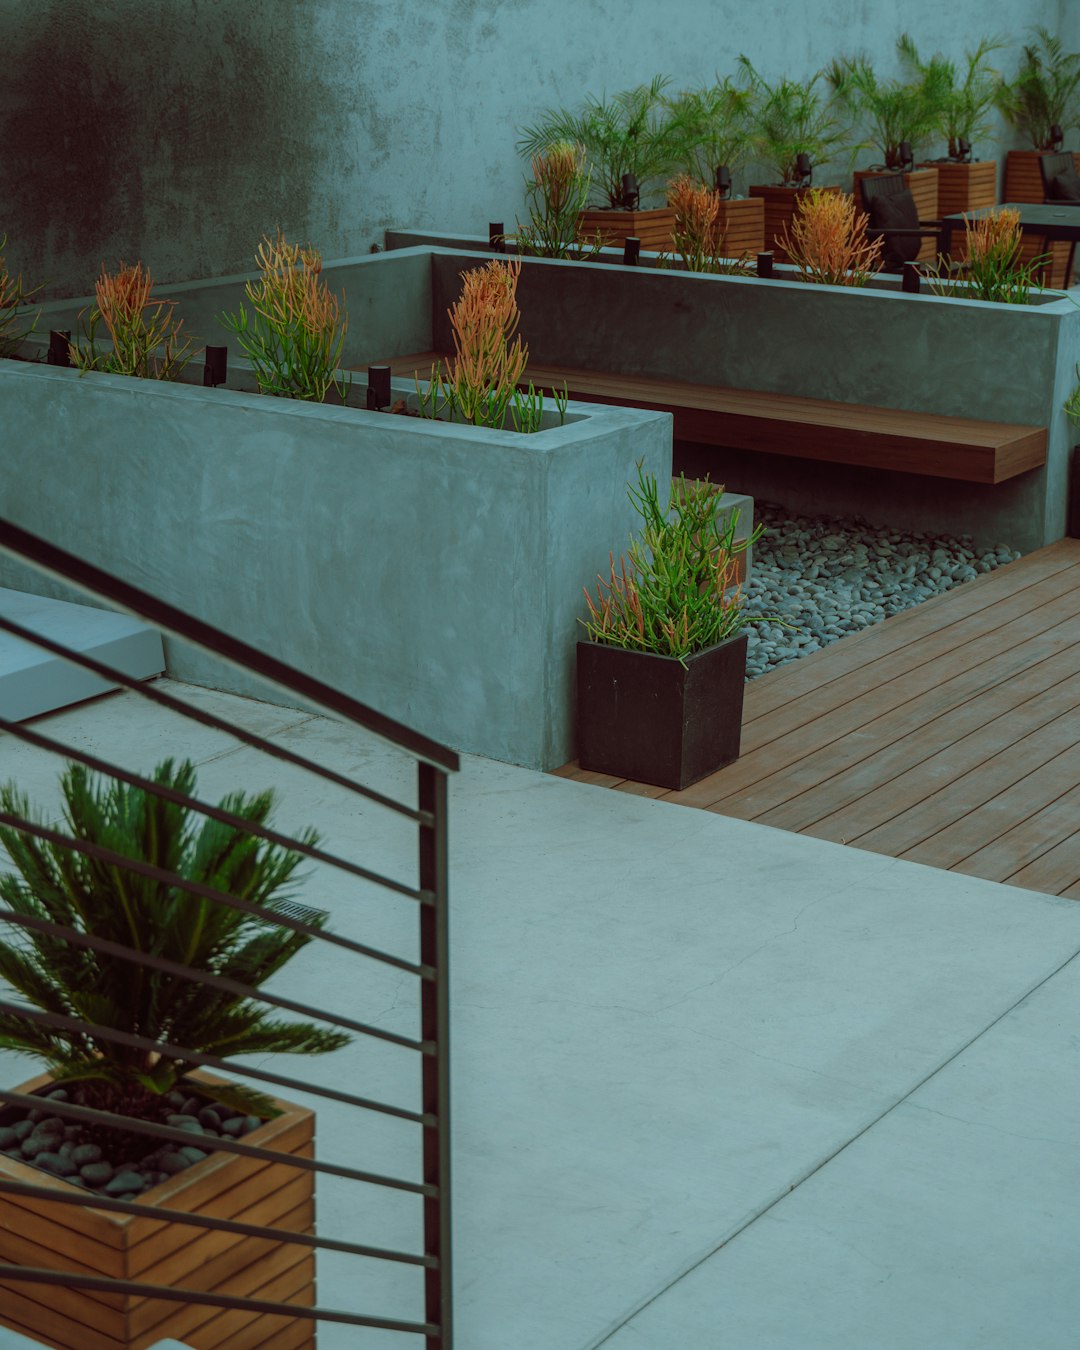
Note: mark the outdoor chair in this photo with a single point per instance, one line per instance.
(1060, 180)
(894, 217)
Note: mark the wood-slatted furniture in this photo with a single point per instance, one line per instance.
(806, 428)
(96, 1242)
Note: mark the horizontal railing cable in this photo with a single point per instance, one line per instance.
(60, 1022)
(69, 568)
(133, 1209)
(108, 855)
(169, 1133)
(104, 1285)
(251, 827)
(207, 719)
(221, 982)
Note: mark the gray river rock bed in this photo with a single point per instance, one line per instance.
(829, 577)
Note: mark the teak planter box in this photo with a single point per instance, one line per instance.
(741, 227)
(923, 185)
(68, 1237)
(652, 720)
(779, 203)
(964, 187)
(653, 228)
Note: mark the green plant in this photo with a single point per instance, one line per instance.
(481, 384)
(632, 132)
(698, 238)
(105, 900)
(557, 194)
(789, 119)
(993, 270)
(965, 104)
(713, 128)
(147, 342)
(827, 241)
(294, 338)
(13, 295)
(676, 592)
(1045, 92)
(895, 110)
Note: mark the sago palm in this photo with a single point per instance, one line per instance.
(107, 901)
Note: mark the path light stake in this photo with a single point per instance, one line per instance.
(911, 278)
(59, 340)
(378, 387)
(723, 181)
(631, 193)
(631, 251)
(215, 366)
(765, 264)
(497, 236)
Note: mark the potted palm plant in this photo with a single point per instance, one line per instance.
(660, 681)
(900, 115)
(1041, 103)
(964, 183)
(795, 126)
(631, 144)
(715, 133)
(145, 1075)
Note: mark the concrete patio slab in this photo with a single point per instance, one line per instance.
(663, 1021)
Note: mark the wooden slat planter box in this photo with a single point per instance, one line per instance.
(965, 187)
(780, 203)
(653, 228)
(923, 185)
(741, 224)
(1023, 177)
(58, 1236)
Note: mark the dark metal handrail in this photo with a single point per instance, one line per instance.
(428, 814)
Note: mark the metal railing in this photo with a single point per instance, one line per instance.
(430, 1046)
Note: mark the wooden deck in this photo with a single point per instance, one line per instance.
(947, 735)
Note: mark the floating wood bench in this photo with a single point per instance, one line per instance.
(806, 428)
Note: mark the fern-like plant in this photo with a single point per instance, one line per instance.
(827, 241)
(792, 118)
(713, 128)
(146, 341)
(294, 338)
(1045, 91)
(633, 131)
(676, 592)
(895, 110)
(106, 901)
(965, 102)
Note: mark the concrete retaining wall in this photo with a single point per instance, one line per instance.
(433, 571)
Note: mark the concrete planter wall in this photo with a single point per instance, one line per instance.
(434, 571)
(962, 358)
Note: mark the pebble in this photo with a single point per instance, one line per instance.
(8, 1138)
(184, 1121)
(124, 1182)
(96, 1173)
(85, 1153)
(192, 1155)
(56, 1162)
(826, 577)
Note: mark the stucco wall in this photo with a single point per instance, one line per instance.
(179, 131)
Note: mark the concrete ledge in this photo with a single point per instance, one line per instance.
(34, 681)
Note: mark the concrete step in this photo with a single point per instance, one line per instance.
(34, 681)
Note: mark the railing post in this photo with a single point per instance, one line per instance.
(435, 1026)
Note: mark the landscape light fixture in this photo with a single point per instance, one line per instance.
(631, 251)
(963, 150)
(804, 169)
(378, 387)
(631, 193)
(497, 236)
(1056, 136)
(215, 365)
(907, 157)
(765, 264)
(910, 278)
(723, 181)
(59, 354)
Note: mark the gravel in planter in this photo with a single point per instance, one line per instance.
(833, 576)
(113, 1163)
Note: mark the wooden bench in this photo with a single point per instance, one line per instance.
(805, 428)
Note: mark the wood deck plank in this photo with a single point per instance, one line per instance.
(949, 735)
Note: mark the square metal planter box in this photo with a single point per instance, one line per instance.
(653, 720)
